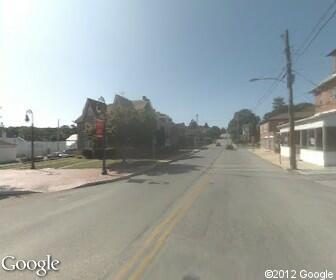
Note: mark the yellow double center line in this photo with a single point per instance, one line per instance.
(135, 267)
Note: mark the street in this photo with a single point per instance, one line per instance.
(218, 214)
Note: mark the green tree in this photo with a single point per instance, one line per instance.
(214, 132)
(127, 127)
(193, 124)
(278, 104)
(304, 107)
(240, 118)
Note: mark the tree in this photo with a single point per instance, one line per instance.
(193, 124)
(206, 125)
(278, 104)
(304, 107)
(240, 118)
(214, 132)
(280, 107)
(126, 126)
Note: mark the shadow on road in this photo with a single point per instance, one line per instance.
(172, 169)
(7, 192)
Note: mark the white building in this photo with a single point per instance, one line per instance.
(315, 136)
(315, 139)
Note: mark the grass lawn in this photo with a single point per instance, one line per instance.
(76, 163)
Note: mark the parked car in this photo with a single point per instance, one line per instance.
(218, 144)
(69, 151)
(229, 147)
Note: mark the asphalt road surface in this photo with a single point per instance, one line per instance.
(215, 215)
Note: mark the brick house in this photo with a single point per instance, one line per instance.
(269, 131)
(316, 135)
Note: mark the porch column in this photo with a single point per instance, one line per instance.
(315, 137)
(301, 140)
(324, 138)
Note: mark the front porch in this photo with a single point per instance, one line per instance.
(315, 139)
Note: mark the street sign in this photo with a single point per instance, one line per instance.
(99, 128)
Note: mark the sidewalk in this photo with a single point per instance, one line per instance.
(46, 180)
(283, 162)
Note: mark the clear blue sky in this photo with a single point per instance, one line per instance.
(187, 56)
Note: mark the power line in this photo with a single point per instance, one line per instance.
(316, 34)
(305, 78)
(304, 49)
(316, 26)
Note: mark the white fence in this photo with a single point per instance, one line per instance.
(41, 148)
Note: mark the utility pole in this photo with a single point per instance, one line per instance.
(290, 81)
(197, 119)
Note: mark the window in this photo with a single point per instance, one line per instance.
(319, 142)
(330, 138)
(311, 138)
(284, 139)
(304, 138)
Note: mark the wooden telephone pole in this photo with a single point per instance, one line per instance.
(290, 81)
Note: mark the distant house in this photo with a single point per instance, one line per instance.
(316, 135)
(165, 126)
(269, 131)
(94, 110)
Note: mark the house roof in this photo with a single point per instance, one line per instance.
(284, 116)
(122, 101)
(6, 144)
(314, 117)
(72, 137)
(95, 105)
(140, 104)
(332, 53)
(324, 84)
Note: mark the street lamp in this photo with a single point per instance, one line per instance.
(104, 169)
(267, 78)
(290, 81)
(27, 119)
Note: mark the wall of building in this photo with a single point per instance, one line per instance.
(330, 159)
(41, 148)
(312, 156)
(284, 151)
(325, 100)
(7, 154)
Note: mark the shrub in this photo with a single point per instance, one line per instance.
(87, 153)
(109, 153)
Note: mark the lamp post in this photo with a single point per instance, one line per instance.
(290, 116)
(104, 169)
(27, 119)
(267, 78)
